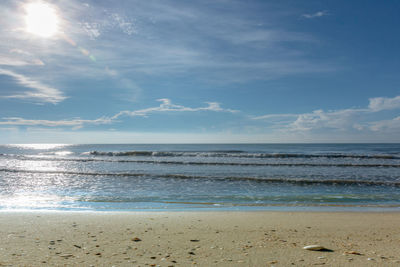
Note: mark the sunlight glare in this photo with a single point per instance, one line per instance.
(41, 19)
(38, 146)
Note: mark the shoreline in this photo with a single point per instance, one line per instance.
(202, 238)
(196, 211)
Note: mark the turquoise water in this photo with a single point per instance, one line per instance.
(201, 177)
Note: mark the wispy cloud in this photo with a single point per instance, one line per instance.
(161, 38)
(19, 57)
(342, 120)
(76, 123)
(386, 125)
(10, 61)
(165, 106)
(315, 15)
(384, 103)
(275, 116)
(41, 93)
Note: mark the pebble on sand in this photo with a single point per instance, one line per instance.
(66, 255)
(315, 248)
(353, 252)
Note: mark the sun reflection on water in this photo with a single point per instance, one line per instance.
(38, 146)
(29, 200)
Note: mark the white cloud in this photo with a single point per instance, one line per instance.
(18, 57)
(12, 62)
(91, 29)
(41, 93)
(160, 38)
(386, 125)
(275, 116)
(72, 123)
(123, 23)
(384, 103)
(319, 119)
(165, 106)
(342, 120)
(315, 15)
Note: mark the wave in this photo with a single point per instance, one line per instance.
(241, 199)
(40, 158)
(336, 182)
(234, 153)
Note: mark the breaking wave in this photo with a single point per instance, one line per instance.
(171, 162)
(233, 153)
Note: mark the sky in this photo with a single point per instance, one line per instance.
(217, 71)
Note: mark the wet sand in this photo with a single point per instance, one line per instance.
(199, 238)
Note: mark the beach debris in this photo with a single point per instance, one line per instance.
(136, 239)
(77, 246)
(191, 253)
(194, 240)
(52, 242)
(353, 252)
(370, 259)
(66, 256)
(316, 248)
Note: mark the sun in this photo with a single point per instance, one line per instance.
(41, 19)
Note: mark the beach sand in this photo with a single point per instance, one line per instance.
(199, 238)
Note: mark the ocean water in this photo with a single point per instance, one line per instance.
(125, 177)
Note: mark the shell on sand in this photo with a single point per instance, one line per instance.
(314, 247)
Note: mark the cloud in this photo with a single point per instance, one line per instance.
(95, 27)
(91, 29)
(384, 103)
(49, 123)
(10, 61)
(275, 116)
(41, 93)
(165, 106)
(315, 15)
(342, 120)
(166, 39)
(319, 119)
(18, 57)
(123, 23)
(386, 125)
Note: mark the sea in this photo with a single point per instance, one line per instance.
(187, 177)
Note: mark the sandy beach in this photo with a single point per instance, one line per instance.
(198, 238)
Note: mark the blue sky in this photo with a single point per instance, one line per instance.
(200, 71)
